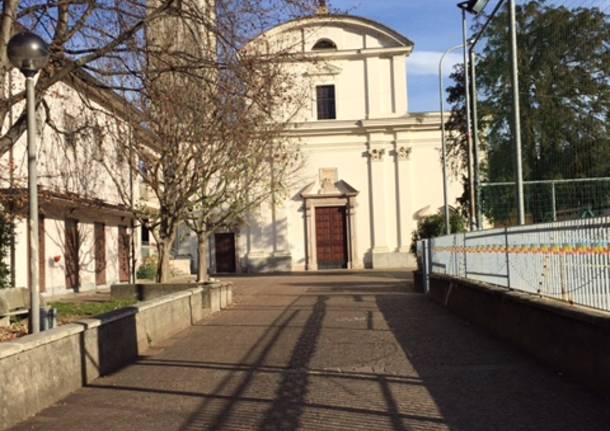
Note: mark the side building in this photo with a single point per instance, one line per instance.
(88, 238)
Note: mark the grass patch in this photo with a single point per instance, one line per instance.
(69, 311)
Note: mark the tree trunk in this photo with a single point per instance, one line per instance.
(164, 249)
(202, 243)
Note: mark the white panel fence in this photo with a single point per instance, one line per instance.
(569, 261)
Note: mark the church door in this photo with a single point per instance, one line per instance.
(225, 252)
(331, 237)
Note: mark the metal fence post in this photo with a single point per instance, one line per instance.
(506, 250)
(426, 265)
(554, 199)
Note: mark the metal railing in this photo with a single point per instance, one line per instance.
(568, 261)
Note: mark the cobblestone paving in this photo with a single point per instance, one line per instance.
(351, 351)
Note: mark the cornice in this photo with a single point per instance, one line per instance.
(410, 122)
(353, 54)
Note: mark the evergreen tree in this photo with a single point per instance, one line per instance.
(6, 233)
(564, 65)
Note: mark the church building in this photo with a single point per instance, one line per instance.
(371, 167)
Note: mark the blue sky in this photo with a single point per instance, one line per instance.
(433, 25)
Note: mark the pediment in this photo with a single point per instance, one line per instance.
(324, 188)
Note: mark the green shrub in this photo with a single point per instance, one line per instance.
(6, 233)
(148, 269)
(434, 225)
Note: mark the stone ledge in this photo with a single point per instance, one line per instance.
(29, 342)
(44, 368)
(597, 318)
(575, 340)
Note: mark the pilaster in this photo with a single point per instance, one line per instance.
(402, 153)
(377, 154)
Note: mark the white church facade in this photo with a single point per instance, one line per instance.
(371, 168)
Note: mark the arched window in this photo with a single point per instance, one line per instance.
(324, 44)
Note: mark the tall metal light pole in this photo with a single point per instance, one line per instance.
(441, 92)
(475, 137)
(468, 122)
(474, 7)
(29, 53)
(516, 112)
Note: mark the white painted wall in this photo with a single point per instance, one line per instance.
(54, 246)
(369, 73)
(74, 170)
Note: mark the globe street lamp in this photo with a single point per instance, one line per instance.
(29, 53)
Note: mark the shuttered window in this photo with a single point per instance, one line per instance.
(325, 95)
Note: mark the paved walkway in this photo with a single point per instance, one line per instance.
(356, 351)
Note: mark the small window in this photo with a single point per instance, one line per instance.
(70, 130)
(145, 233)
(325, 95)
(97, 138)
(142, 167)
(324, 44)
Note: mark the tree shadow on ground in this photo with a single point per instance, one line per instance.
(200, 420)
(480, 383)
(288, 404)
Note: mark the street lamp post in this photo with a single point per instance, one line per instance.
(475, 137)
(474, 7)
(516, 112)
(444, 138)
(471, 185)
(29, 53)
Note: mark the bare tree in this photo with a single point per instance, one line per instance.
(111, 40)
(248, 160)
(98, 36)
(197, 97)
(211, 148)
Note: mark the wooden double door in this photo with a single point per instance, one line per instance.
(331, 237)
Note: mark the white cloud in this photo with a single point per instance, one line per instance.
(426, 62)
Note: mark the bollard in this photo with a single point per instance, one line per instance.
(48, 318)
(426, 265)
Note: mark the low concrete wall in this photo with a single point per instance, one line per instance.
(571, 339)
(147, 291)
(38, 370)
(215, 294)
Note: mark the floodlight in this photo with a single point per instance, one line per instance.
(473, 6)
